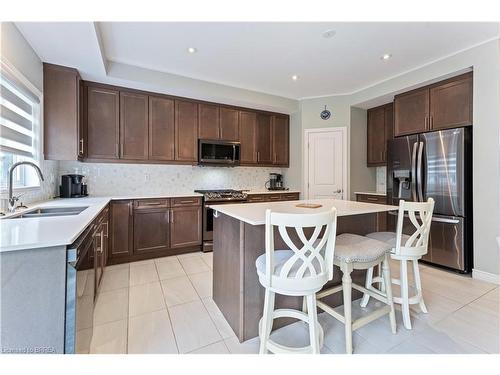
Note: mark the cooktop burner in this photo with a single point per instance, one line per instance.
(222, 195)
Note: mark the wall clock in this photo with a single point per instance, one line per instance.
(325, 114)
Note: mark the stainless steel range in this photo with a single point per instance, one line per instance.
(223, 196)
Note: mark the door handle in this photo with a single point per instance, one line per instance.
(414, 172)
(338, 191)
(81, 146)
(419, 171)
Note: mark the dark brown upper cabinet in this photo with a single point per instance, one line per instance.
(161, 128)
(103, 122)
(64, 137)
(280, 140)
(376, 139)
(446, 104)
(248, 132)
(264, 139)
(451, 103)
(186, 131)
(229, 125)
(208, 121)
(411, 112)
(133, 126)
(185, 226)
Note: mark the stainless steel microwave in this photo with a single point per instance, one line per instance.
(218, 153)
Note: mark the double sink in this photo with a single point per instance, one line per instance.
(50, 212)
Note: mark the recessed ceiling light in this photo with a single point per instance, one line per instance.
(386, 56)
(192, 50)
(329, 34)
(295, 77)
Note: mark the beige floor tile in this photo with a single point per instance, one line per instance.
(116, 278)
(179, 290)
(208, 259)
(189, 255)
(171, 258)
(110, 338)
(438, 307)
(143, 273)
(194, 265)
(141, 262)
(410, 347)
(475, 326)
(145, 298)
(216, 348)
(117, 267)
(83, 340)
(248, 347)
(192, 326)
(221, 323)
(169, 269)
(151, 333)
(494, 295)
(202, 282)
(111, 306)
(442, 343)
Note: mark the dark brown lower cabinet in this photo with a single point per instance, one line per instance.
(377, 199)
(151, 230)
(185, 226)
(120, 230)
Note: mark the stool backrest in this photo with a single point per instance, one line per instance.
(420, 215)
(314, 256)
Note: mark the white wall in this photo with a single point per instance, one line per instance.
(485, 61)
(16, 50)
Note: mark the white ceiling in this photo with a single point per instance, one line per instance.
(259, 56)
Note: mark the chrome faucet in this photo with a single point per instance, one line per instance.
(13, 199)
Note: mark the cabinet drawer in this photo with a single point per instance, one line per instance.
(151, 203)
(257, 198)
(186, 201)
(274, 197)
(290, 197)
(379, 199)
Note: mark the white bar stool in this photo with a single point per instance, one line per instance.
(406, 248)
(353, 252)
(297, 271)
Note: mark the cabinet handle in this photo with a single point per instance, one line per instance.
(172, 216)
(121, 149)
(107, 229)
(81, 146)
(258, 156)
(372, 199)
(431, 121)
(117, 151)
(130, 209)
(151, 203)
(426, 122)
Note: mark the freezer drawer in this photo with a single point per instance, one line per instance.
(447, 242)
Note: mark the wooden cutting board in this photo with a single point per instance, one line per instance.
(309, 205)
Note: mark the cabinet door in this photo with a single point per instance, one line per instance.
(186, 131)
(229, 124)
(120, 229)
(376, 138)
(248, 132)
(389, 125)
(150, 230)
(185, 226)
(133, 126)
(161, 128)
(451, 104)
(280, 140)
(264, 139)
(411, 112)
(103, 126)
(208, 121)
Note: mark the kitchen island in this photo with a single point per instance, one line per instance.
(239, 231)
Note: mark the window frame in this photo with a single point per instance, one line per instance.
(10, 69)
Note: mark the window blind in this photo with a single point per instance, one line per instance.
(18, 116)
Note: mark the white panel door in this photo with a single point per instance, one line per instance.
(325, 176)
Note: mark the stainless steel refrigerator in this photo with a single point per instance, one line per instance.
(438, 165)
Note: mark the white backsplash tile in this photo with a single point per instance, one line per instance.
(381, 179)
(129, 179)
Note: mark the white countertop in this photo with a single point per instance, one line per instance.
(371, 193)
(39, 232)
(254, 213)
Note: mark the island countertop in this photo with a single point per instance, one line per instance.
(255, 213)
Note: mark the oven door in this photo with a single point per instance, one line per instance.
(213, 152)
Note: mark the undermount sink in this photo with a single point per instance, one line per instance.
(51, 211)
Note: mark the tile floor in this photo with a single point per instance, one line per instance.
(165, 306)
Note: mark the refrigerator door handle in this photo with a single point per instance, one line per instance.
(446, 221)
(419, 171)
(413, 172)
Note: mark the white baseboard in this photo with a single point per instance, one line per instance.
(486, 276)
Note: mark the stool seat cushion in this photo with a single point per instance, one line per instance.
(280, 258)
(388, 237)
(352, 248)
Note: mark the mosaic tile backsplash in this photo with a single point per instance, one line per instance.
(146, 179)
(381, 179)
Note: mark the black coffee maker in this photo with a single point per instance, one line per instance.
(275, 182)
(72, 186)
